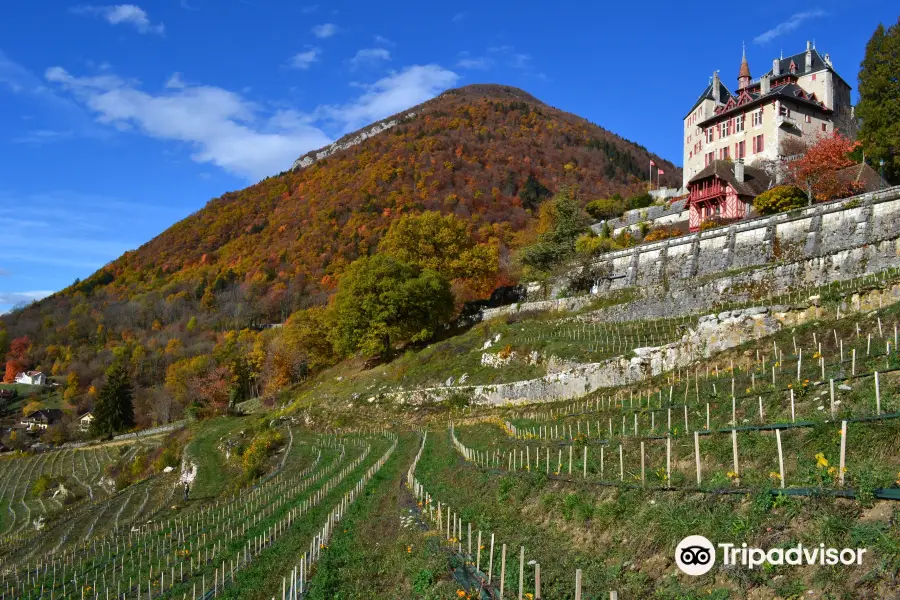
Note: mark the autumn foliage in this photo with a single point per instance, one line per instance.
(818, 170)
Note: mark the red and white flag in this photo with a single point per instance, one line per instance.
(661, 172)
(652, 164)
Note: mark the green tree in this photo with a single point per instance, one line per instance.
(605, 208)
(779, 199)
(114, 410)
(441, 243)
(879, 99)
(533, 192)
(564, 223)
(639, 200)
(381, 301)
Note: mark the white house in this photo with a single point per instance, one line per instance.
(31, 378)
(85, 421)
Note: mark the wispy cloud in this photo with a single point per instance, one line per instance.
(369, 57)
(124, 14)
(793, 22)
(325, 30)
(392, 94)
(306, 10)
(42, 136)
(235, 134)
(304, 60)
(459, 17)
(383, 41)
(480, 63)
(14, 298)
(175, 82)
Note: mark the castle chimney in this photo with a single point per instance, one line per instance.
(764, 85)
(739, 170)
(715, 87)
(808, 56)
(776, 68)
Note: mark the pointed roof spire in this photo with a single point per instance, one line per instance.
(745, 67)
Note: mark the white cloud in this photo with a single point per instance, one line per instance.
(303, 60)
(392, 94)
(793, 22)
(479, 63)
(43, 136)
(383, 41)
(222, 127)
(119, 14)
(175, 82)
(369, 56)
(326, 30)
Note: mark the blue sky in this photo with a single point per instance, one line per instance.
(119, 119)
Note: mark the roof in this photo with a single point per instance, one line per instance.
(707, 94)
(45, 414)
(745, 68)
(864, 176)
(34, 373)
(818, 64)
(756, 181)
(788, 91)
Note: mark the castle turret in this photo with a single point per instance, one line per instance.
(744, 73)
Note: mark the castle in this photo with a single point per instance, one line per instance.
(801, 98)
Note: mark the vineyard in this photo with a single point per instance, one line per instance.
(783, 437)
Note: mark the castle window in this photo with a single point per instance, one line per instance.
(739, 123)
(740, 150)
(824, 127)
(709, 135)
(808, 119)
(758, 118)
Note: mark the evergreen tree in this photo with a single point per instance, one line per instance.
(113, 410)
(879, 99)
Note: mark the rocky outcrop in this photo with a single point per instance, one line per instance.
(345, 142)
(713, 334)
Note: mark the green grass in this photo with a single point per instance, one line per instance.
(214, 474)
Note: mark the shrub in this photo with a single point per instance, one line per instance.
(591, 244)
(640, 200)
(662, 233)
(779, 199)
(605, 208)
(708, 224)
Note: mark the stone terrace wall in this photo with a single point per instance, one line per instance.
(827, 242)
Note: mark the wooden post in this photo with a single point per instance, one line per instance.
(831, 391)
(491, 561)
(780, 456)
(734, 450)
(793, 416)
(621, 464)
(537, 581)
(584, 472)
(614, 596)
(577, 584)
(877, 395)
(733, 411)
(668, 461)
(521, 570)
(707, 417)
(478, 558)
(642, 464)
(686, 426)
(601, 463)
(853, 362)
(697, 454)
(502, 569)
(570, 460)
(843, 462)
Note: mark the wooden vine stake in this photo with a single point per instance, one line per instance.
(793, 416)
(537, 581)
(734, 450)
(577, 584)
(842, 466)
(697, 454)
(831, 391)
(780, 456)
(642, 464)
(491, 561)
(502, 569)
(877, 395)
(668, 460)
(521, 570)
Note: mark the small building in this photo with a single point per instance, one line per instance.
(85, 420)
(724, 191)
(31, 378)
(42, 419)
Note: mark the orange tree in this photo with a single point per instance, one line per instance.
(818, 169)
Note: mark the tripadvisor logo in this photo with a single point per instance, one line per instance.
(696, 555)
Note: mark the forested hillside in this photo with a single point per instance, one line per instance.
(185, 310)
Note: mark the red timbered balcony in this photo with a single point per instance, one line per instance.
(706, 190)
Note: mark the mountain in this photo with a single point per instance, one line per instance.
(470, 151)
(488, 153)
